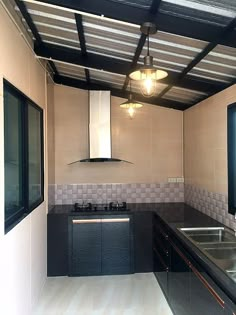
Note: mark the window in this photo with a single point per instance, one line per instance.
(231, 120)
(23, 150)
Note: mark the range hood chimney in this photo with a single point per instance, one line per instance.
(100, 142)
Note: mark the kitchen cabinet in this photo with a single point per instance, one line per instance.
(188, 289)
(85, 246)
(161, 255)
(143, 254)
(179, 282)
(100, 245)
(57, 245)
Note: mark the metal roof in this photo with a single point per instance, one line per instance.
(94, 45)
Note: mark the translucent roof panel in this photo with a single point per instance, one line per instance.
(54, 25)
(173, 52)
(110, 38)
(184, 95)
(218, 65)
(69, 70)
(107, 78)
(208, 11)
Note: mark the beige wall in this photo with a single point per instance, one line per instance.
(152, 141)
(50, 132)
(205, 142)
(23, 249)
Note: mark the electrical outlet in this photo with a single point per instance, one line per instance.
(171, 180)
(180, 180)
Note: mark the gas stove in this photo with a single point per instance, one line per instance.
(90, 207)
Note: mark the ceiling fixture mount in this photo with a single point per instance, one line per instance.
(131, 105)
(147, 74)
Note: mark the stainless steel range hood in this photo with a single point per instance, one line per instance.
(100, 143)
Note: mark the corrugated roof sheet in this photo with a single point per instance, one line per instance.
(111, 38)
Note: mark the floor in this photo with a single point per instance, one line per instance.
(136, 294)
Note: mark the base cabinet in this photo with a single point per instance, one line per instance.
(100, 245)
(57, 245)
(143, 254)
(188, 289)
(85, 247)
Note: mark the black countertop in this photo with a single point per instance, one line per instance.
(175, 215)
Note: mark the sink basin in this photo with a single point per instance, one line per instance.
(222, 253)
(232, 274)
(218, 244)
(209, 235)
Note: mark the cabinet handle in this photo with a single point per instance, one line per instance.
(84, 221)
(116, 220)
(200, 277)
(207, 286)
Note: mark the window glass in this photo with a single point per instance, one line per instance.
(35, 154)
(13, 140)
(23, 153)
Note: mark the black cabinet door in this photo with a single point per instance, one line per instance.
(143, 255)
(116, 245)
(160, 270)
(179, 282)
(57, 245)
(85, 248)
(204, 297)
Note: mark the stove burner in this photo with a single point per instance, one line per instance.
(82, 206)
(117, 205)
(112, 206)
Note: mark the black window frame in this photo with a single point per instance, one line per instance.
(27, 208)
(231, 155)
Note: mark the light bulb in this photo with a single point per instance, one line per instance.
(148, 87)
(131, 112)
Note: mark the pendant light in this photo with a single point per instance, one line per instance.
(147, 74)
(131, 105)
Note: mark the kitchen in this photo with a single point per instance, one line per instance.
(164, 144)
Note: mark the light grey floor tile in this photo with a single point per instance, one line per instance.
(136, 294)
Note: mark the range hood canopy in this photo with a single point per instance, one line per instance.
(100, 142)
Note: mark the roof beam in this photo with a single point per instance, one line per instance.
(80, 30)
(99, 62)
(165, 21)
(29, 20)
(33, 28)
(119, 93)
(227, 31)
(153, 10)
(155, 6)
(136, 57)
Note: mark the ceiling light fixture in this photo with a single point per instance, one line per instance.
(147, 74)
(131, 105)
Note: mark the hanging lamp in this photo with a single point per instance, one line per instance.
(147, 74)
(131, 105)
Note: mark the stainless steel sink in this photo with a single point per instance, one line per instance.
(209, 235)
(232, 274)
(222, 253)
(218, 244)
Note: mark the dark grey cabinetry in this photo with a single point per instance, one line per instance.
(179, 284)
(100, 245)
(116, 246)
(189, 290)
(143, 242)
(85, 246)
(161, 255)
(57, 245)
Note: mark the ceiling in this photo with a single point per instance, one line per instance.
(95, 44)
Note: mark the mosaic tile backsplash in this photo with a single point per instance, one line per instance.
(214, 205)
(104, 193)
